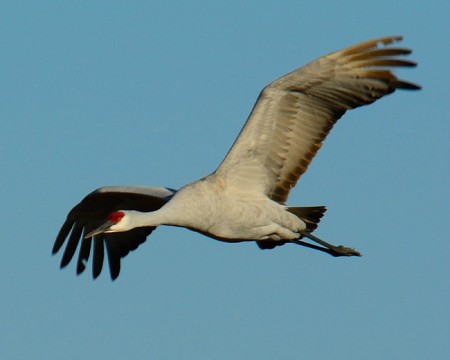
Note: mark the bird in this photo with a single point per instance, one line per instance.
(244, 199)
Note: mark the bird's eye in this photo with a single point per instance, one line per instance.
(115, 217)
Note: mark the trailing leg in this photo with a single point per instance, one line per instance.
(327, 247)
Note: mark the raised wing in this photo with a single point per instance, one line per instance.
(294, 114)
(93, 211)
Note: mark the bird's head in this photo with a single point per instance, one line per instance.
(117, 221)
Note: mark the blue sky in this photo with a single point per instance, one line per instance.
(154, 93)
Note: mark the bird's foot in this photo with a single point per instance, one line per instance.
(344, 251)
(331, 249)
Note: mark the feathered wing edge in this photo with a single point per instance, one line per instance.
(320, 93)
(93, 211)
(294, 114)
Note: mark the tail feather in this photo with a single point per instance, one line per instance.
(311, 215)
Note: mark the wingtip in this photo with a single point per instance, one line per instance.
(371, 44)
(393, 38)
(406, 85)
(80, 268)
(387, 40)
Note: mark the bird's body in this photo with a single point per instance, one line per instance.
(249, 215)
(244, 199)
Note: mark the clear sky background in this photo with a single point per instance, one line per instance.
(100, 93)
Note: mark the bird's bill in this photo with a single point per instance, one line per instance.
(100, 230)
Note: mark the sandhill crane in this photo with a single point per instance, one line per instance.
(244, 199)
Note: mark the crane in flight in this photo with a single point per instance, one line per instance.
(245, 198)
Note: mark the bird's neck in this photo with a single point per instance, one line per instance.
(163, 216)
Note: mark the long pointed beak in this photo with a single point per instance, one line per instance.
(100, 230)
